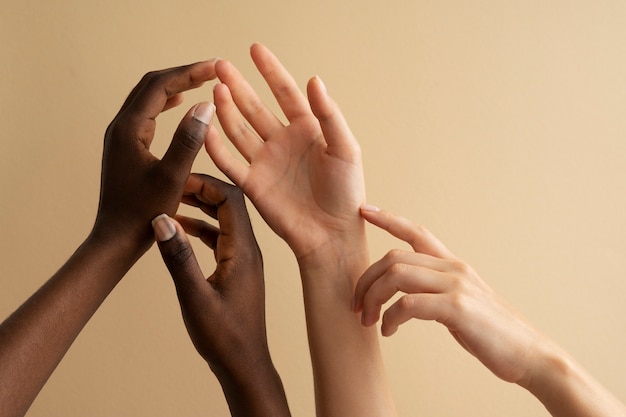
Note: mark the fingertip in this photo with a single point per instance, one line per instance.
(320, 85)
(221, 94)
(354, 306)
(212, 62)
(203, 113)
(387, 329)
(223, 69)
(164, 228)
(371, 213)
(369, 208)
(257, 47)
(369, 318)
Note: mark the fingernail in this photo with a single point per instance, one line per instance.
(204, 113)
(322, 84)
(164, 228)
(369, 207)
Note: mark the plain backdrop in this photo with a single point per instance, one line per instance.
(497, 124)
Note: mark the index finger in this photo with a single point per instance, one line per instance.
(222, 201)
(420, 238)
(150, 96)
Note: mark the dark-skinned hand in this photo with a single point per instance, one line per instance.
(224, 313)
(136, 186)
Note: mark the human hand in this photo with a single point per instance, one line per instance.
(439, 286)
(224, 313)
(136, 186)
(305, 178)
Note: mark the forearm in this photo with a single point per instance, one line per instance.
(349, 374)
(34, 339)
(257, 391)
(567, 390)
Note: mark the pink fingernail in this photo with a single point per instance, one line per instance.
(369, 207)
(204, 113)
(164, 228)
(322, 84)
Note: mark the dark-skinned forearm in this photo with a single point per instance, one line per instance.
(255, 391)
(34, 339)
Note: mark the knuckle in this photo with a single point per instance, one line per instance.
(459, 302)
(397, 269)
(421, 229)
(406, 303)
(118, 128)
(149, 76)
(153, 78)
(393, 255)
(240, 131)
(462, 267)
(178, 255)
(254, 107)
(190, 139)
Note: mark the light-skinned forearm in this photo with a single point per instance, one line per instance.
(350, 378)
(566, 389)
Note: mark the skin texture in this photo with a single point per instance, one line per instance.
(135, 187)
(306, 180)
(224, 313)
(439, 286)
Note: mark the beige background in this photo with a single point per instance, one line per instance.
(498, 124)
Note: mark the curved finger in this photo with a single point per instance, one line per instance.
(188, 140)
(158, 86)
(227, 201)
(139, 87)
(395, 261)
(241, 136)
(159, 91)
(413, 306)
(206, 232)
(262, 120)
(408, 279)
(420, 238)
(283, 86)
(339, 138)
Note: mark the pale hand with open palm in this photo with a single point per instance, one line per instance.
(304, 178)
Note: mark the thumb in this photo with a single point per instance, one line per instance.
(188, 138)
(177, 252)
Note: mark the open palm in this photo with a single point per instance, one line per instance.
(305, 178)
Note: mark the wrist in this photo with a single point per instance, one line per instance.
(552, 376)
(119, 252)
(127, 244)
(341, 253)
(254, 390)
(566, 389)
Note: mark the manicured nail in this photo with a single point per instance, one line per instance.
(369, 207)
(164, 228)
(204, 113)
(322, 84)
